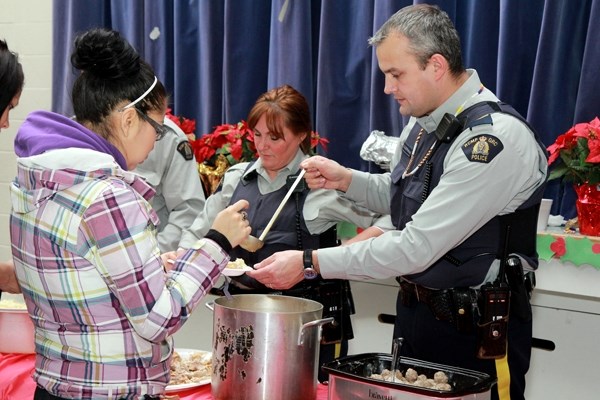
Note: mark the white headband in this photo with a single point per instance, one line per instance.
(133, 103)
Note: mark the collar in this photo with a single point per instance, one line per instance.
(465, 96)
(257, 168)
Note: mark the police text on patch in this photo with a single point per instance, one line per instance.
(482, 148)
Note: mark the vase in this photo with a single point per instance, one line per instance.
(211, 175)
(588, 209)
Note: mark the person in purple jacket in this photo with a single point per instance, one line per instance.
(12, 80)
(83, 232)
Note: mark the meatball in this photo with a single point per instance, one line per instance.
(411, 375)
(440, 377)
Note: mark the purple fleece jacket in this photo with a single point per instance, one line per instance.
(43, 131)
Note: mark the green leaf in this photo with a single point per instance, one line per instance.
(558, 172)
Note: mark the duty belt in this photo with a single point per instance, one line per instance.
(457, 306)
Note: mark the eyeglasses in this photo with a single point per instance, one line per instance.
(161, 130)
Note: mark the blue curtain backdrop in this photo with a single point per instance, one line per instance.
(217, 56)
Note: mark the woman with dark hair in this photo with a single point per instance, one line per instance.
(83, 234)
(12, 80)
(281, 122)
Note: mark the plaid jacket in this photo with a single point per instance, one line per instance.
(87, 259)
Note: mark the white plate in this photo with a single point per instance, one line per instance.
(187, 353)
(236, 271)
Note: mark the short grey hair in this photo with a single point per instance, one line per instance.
(429, 30)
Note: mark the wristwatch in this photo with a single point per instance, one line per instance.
(309, 271)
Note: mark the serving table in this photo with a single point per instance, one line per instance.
(566, 318)
(16, 382)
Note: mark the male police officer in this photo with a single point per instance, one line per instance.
(466, 182)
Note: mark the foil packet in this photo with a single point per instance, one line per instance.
(379, 148)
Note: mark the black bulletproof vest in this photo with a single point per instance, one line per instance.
(468, 263)
(289, 231)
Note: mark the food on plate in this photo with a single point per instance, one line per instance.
(192, 367)
(238, 263)
(236, 267)
(12, 305)
(412, 377)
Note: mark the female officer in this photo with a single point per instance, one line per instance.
(172, 171)
(280, 120)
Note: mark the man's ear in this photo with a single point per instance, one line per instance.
(439, 63)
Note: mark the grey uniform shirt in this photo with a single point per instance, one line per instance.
(468, 195)
(173, 172)
(322, 208)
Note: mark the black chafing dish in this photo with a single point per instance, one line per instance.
(349, 379)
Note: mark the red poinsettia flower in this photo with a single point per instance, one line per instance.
(566, 141)
(316, 140)
(171, 116)
(577, 154)
(235, 142)
(241, 143)
(202, 151)
(591, 132)
(216, 140)
(188, 126)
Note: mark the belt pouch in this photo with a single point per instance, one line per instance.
(463, 310)
(492, 328)
(407, 296)
(440, 304)
(331, 295)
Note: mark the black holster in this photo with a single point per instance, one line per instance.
(336, 297)
(521, 285)
(463, 305)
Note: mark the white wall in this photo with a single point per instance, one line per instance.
(26, 25)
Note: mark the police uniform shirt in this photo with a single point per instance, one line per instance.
(172, 170)
(476, 185)
(322, 208)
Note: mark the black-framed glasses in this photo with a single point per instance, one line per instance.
(161, 130)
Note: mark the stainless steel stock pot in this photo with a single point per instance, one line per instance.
(265, 347)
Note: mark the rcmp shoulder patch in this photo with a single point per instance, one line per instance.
(482, 148)
(185, 149)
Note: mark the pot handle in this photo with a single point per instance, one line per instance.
(210, 305)
(318, 323)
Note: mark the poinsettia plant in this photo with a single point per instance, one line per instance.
(226, 145)
(188, 126)
(317, 140)
(235, 142)
(577, 154)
